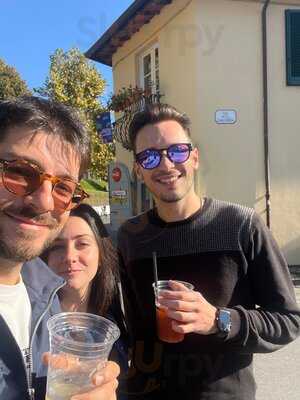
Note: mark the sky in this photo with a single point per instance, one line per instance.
(30, 31)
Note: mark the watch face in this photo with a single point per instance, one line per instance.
(224, 321)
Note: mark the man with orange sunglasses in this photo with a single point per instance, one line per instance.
(44, 150)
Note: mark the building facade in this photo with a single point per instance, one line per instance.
(211, 59)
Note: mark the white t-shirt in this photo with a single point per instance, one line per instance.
(15, 308)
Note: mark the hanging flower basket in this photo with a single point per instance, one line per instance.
(126, 97)
(134, 104)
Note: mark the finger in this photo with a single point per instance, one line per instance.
(176, 285)
(178, 305)
(110, 372)
(58, 361)
(63, 361)
(182, 317)
(190, 296)
(106, 391)
(183, 328)
(180, 295)
(46, 358)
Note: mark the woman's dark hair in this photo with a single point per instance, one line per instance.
(154, 113)
(104, 287)
(36, 113)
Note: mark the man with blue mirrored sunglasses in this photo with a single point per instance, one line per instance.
(177, 153)
(243, 300)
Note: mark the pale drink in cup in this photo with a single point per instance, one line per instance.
(79, 345)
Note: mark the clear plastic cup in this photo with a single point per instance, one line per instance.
(79, 345)
(165, 331)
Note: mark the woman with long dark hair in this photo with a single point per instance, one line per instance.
(84, 255)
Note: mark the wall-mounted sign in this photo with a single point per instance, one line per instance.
(119, 194)
(116, 174)
(103, 126)
(225, 117)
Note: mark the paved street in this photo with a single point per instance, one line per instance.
(278, 374)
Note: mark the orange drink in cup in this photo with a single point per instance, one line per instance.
(165, 331)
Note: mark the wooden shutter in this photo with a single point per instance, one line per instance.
(292, 19)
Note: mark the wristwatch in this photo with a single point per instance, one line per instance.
(223, 321)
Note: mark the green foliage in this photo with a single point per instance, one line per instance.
(125, 97)
(75, 81)
(90, 185)
(97, 191)
(11, 84)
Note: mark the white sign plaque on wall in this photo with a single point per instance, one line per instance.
(225, 116)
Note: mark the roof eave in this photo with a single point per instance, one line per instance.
(114, 28)
(137, 15)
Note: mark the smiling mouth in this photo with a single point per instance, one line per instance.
(24, 220)
(167, 180)
(69, 272)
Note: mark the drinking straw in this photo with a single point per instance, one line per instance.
(155, 267)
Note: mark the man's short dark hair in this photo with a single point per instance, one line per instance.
(36, 114)
(154, 113)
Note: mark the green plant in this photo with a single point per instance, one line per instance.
(75, 81)
(90, 185)
(11, 84)
(125, 97)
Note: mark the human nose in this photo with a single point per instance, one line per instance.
(41, 199)
(165, 160)
(70, 254)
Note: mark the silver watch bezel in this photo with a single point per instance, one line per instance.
(224, 320)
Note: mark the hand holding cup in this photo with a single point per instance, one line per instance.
(79, 347)
(165, 322)
(104, 379)
(189, 311)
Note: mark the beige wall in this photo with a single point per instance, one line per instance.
(160, 30)
(210, 58)
(284, 142)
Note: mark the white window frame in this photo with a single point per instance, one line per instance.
(150, 51)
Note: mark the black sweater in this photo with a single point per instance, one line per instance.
(230, 256)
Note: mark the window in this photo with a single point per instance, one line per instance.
(149, 69)
(292, 25)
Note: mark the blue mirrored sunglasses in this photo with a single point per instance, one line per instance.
(177, 153)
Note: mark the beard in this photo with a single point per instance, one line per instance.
(20, 249)
(171, 198)
(175, 197)
(24, 245)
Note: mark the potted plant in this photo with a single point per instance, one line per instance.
(125, 97)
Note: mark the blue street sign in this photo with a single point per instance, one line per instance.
(104, 128)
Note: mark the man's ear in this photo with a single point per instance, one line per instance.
(195, 157)
(138, 172)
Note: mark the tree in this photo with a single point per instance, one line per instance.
(75, 81)
(11, 84)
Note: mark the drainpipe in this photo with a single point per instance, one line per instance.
(266, 111)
